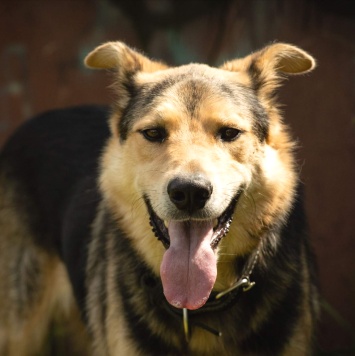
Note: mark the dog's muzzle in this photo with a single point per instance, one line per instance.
(189, 265)
(199, 196)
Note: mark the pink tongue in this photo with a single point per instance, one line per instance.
(188, 270)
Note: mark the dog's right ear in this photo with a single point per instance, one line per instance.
(125, 63)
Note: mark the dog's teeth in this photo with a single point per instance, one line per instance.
(166, 223)
(215, 223)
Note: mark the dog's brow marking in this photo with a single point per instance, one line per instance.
(143, 100)
(193, 97)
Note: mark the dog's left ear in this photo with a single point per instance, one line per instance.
(270, 65)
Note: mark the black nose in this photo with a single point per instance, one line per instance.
(189, 194)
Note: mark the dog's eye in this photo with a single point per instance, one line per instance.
(154, 135)
(229, 134)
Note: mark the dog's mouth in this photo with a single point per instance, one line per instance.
(189, 267)
(221, 225)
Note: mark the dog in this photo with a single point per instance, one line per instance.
(171, 223)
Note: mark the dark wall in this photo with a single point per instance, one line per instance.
(43, 43)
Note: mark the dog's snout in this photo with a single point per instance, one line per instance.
(189, 194)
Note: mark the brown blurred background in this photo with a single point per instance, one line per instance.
(43, 43)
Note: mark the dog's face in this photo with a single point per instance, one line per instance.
(192, 149)
(195, 143)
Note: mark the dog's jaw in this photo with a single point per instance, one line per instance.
(189, 266)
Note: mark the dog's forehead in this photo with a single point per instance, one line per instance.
(192, 69)
(196, 75)
(188, 88)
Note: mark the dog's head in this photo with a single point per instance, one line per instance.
(192, 148)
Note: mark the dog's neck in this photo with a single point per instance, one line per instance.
(217, 302)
